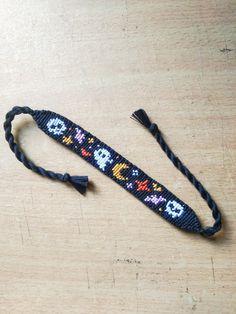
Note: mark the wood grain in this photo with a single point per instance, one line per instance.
(96, 62)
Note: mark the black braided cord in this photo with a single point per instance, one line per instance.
(142, 117)
(22, 157)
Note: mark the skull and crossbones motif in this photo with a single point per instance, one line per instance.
(102, 157)
(56, 126)
(174, 209)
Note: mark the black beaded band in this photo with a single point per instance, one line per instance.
(107, 160)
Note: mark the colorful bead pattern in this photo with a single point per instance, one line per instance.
(129, 176)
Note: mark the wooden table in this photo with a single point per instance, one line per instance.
(96, 62)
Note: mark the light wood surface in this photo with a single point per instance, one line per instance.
(96, 62)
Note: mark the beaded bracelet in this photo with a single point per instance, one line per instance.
(150, 192)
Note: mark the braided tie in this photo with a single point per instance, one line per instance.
(78, 182)
(141, 116)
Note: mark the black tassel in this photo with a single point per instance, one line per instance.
(141, 116)
(80, 183)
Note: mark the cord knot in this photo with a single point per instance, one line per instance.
(153, 129)
(66, 177)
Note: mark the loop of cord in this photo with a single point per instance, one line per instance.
(141, 116)
(80, 182)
